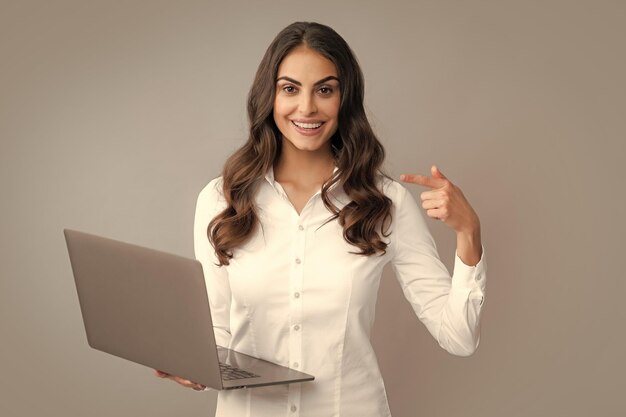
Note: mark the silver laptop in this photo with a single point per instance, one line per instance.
(151, 307)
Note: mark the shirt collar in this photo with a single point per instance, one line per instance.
(269, 176)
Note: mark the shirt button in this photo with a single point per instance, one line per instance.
(296, 294)
(296, 327)
(294, 408)
(296, 364)
(300, 227)
(298, 260)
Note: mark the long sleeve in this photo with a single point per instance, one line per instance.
(210, 203)
(448, 306)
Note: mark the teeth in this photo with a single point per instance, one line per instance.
(307, 125)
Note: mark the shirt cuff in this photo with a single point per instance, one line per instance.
(469, 277)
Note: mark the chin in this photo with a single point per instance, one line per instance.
(302, 145)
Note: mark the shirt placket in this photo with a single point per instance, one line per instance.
(297, 295)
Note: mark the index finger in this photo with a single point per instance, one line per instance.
(422, 180)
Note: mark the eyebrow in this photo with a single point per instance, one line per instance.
(323, 80)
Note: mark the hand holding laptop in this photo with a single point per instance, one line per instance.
(182, 381)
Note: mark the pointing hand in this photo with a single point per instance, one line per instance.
(445, 201)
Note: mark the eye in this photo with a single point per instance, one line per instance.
(289, 89)
(326, 90)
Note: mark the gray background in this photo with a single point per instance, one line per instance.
(114, 114)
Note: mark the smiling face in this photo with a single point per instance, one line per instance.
(306, 104)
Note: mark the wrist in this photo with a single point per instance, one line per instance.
(470, 234)
(469, 246)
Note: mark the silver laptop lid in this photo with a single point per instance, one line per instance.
(144, 287)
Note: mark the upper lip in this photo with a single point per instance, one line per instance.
(307, 121)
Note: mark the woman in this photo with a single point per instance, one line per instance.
(294, 235)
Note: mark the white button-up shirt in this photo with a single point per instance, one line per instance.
(295, 296)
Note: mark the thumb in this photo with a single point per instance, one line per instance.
(436, 173)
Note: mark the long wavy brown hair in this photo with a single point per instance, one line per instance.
(357, 152)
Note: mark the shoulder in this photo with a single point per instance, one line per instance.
(210, 200)
(213, 191)
(393, 189)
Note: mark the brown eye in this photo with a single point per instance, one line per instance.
(289, 89)
(326, 90)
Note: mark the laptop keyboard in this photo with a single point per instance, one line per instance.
(230, 372)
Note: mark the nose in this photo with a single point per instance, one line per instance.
(307, 104)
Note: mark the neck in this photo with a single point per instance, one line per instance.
(304, 167)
